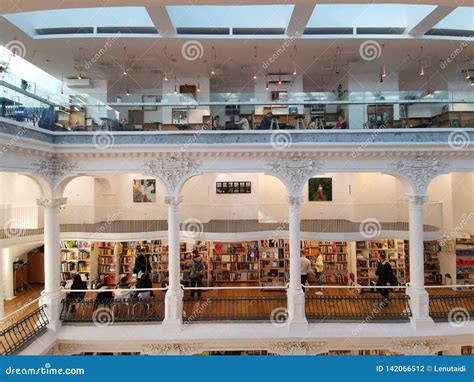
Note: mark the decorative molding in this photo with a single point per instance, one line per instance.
(287, 347)
(172, 348)
(53, 169)
(295, 171)
(69, 348)
(295, 201)
(172, 170)
(51, 203)
(419, 347)
(313, 348)
(419, 170)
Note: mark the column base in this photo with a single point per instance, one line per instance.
(419, 305)
(173, 310)
(296, 310)
(52, 309)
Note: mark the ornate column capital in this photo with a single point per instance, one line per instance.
(417, 199)
(173, 170)
(295, 171)
(53, 169)
(51, 203)
(419, 347)
(420, 170)
(173, 200)
(295, 201)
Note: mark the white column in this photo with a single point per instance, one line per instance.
(174, 295)
(296, 297)
(2, 282)
(51, 295)
(419, 299)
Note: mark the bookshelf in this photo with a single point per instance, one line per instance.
(335, 259)
(107, 263)
(157, 253)
(273, 262)
(75, 259)
(367, 255)
(431, 251)
(127, 260)
(234, 262)
(465, 260)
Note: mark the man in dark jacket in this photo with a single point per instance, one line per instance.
(196, 274)
(385, 276)
(266, 123)
(142, 264)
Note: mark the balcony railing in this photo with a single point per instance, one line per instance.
(455, 305)
(23, 332)
(201, 221)
(104, 312)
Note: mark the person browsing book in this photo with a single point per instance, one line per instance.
(196, 274)
(305, 269)
(385, 277)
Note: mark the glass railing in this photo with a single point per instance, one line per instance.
(305, 110)
(199, 219)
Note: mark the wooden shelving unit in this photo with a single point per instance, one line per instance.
(274, 262)
(127, 260)
(335, 259)
(234, 263)
(75, 259)
(465, 261)
(431, 251)
(107, 264)
(367, 254)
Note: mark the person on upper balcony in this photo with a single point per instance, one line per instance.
(341, 122)
(266, 123)
(216, 123)
(243, 123)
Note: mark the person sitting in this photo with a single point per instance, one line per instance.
(216, 123)
(313, 124)
(244, 123)
(73, 297)
(123, 289)
(266, 123)
(341, 122)
(144, 283)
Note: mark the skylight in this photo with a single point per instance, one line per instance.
(368, 15)
(82, 19)
(460, 18)
(230, 16)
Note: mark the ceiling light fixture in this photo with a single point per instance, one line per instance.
(467, 74)
(383, 71)
(175, 88)
(199, 86)
(166, 77)
(422, 70)
(125, 56)
(214, 57)
(295, 51)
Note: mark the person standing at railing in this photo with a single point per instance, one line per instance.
(319, 266)
(142, 264)
(144, 283)
(196, 274)
(385, 276)
(305, 269)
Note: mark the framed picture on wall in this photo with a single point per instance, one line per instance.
(320, 190)
(233, 187)
(144, 191)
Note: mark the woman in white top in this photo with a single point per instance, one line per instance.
(244, 122)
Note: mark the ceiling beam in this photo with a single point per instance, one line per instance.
(299, 19)
(430, 20)
(161, 18)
